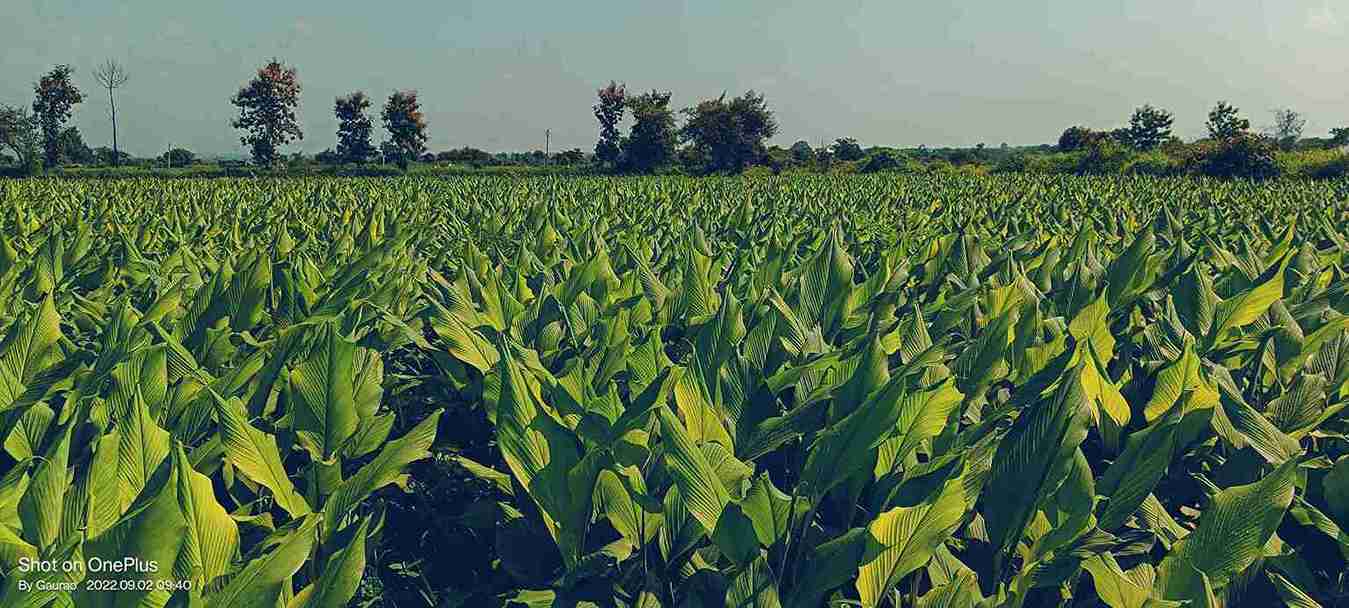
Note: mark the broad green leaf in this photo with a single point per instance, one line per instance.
(343, 571)
(384, 469)
(1033, 459)
(1232, 532)
(212, 537)
(703, 494)
(324, 395)
(1242, 309)
(255, 454)
(267, 577)
(41, 507)
(847, 445)
(903, 539)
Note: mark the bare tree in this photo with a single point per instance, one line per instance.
(1287, 127)
(111, 76)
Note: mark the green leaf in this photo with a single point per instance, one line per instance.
(1244, 308)
(1116, 589)
(1335, 486)
(153, 530)
(254, 453)
(1031, 461)
(1232, 532)
(903, 539)
(343, 571)
(384, 469)
(827, 566)
(539, 451)
(212, 536)
(703, 494)
(1241, 425)
(755, 587)
(29, 347)
(266, 578)
(324, 395)
(42, 505)
(922, 416)
(847, 445)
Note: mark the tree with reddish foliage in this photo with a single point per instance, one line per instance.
(609, 111)
(406, 125)
(267, 111)
(353, 129)
(55, 95)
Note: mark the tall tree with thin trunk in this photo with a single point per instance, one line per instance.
(267, 111)
(55, 95)
(112, 76)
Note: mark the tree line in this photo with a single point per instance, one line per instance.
(718, 135)
(1231, 148)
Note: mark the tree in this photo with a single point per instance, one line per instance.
(104, 155)
(267, 107)
(846, 148)
(1339, 136)
(573, 156)
(882, 160)
(55, 96)
(1076, 138)
(19, 133)
(111, 76)
(1148, 127)
(406, 126)
(801, 152)
(1224, 122)
(178, 157)
(730, 133)
(609, 111)
(1287, 127)
(353, 128)
(651, 141)
(73, 149)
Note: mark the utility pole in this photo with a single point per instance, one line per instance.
(547, 141)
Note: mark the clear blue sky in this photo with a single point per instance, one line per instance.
(495, 74)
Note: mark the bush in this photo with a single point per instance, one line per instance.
(1313, 164)
(758, 172)
(1018, 162)
(1243, 156)
(367, 170)
(1153, 163)
(880, 161)
(1105, 157)
(846, 167)
(1054, 164)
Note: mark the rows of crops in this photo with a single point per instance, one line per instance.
(892, 391)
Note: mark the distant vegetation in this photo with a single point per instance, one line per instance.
(715, 136)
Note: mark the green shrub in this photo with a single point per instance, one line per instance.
(1243, 156)
(1155, 163)
(845, 167)
(880, 161)
(1312, 164)
(1054, 164)
(1105, 157)
(758, 172)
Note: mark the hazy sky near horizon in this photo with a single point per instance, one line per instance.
(496, 74)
